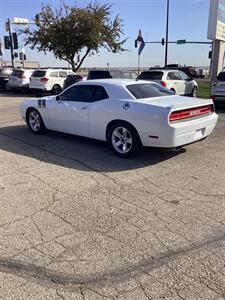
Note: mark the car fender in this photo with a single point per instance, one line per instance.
(144, 117)
(39, 104)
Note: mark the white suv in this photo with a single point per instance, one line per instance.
(177, 81)
(49, 80)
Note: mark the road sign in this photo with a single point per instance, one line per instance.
(20, 21)
(216, 23)
(180, 42)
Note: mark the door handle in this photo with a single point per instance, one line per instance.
(84, 107)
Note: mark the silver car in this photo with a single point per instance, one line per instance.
(19, 79)
(218, 88)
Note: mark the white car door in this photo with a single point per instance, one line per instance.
(70, 112)
(173, 82)
(188, 83)
(180, 84)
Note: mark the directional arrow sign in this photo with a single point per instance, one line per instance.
(180, 42)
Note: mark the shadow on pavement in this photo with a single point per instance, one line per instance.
(75, 152)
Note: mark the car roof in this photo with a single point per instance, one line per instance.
(162, 70)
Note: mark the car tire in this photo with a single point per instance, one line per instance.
(194, 92)
(173, 90)
(56, 89)
(34, 121)
(6, 87)
(123, 139)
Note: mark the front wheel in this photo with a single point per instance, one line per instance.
(35, 122)
(123, 139)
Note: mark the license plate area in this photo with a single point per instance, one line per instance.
(199, 133)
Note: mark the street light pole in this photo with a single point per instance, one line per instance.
(167, 32)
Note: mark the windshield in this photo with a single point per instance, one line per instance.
(153, 75)
(148, 90)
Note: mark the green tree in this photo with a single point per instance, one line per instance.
(72, 32)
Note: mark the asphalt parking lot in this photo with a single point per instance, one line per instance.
(79, 223)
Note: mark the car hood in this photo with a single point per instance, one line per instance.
(175, 102)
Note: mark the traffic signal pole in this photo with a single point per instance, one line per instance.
(11, 43)
(167, 31)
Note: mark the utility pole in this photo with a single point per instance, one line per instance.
(167, 32)
(11, 42)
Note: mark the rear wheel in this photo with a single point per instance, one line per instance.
(123, 139)
(56, 89)
(34, 121)
(194, 92)
(173, 90)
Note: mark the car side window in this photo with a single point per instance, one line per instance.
(170, 76)
(62, 74)
(173, 76)
(84, 93)
(183, 76)
(54, 74)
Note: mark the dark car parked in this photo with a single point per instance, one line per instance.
(4, 78)
(71, 79)
(104, 74)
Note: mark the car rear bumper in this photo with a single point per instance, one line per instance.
(181, 133)
(18, 87)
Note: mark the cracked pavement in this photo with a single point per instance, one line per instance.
(79, 223)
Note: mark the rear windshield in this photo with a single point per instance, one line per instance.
(99, 75)
(148, 90)
(154, 75)
(39, 73)
(221, 76)
(5, 72)
(17, 73)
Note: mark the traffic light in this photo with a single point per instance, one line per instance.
(135, 43)
(23, 56)
(163, 41)
(15, 54)
(210, 54)
(7, 43)
(15, 40)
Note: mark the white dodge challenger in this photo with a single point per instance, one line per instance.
(125, 113)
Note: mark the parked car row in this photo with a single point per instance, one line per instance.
(54, 81)
(51, 80)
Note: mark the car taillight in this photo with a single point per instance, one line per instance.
(44, 79)
(190, 113)
(163, 83)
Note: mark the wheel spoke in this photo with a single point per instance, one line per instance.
(129, 140)
(117, 134)
(124, 147)
(118, 143)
